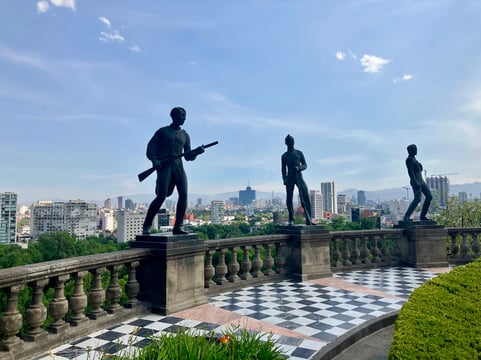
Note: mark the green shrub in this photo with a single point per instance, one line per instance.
(442, 319)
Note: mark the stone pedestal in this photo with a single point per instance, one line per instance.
(424, 245)
(309, 256)
(173, 279)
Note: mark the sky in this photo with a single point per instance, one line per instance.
(84, 84)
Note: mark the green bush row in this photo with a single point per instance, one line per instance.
(442, 319)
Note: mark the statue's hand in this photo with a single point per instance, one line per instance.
(199, 150)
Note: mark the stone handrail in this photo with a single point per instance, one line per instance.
(351, 250)
(54, 275)
(464, 245)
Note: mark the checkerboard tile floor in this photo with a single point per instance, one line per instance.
(312, 314)
(398, 281)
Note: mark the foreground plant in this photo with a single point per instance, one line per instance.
(235, 343)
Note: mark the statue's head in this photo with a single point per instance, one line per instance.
(412, 150)
(178, 115)
(289, 140)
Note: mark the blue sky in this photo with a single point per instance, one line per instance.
(84, 84)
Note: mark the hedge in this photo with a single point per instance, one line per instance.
(442, 319)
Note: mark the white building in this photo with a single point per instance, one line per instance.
(398, 207)
(129, 225)
(316, 204)
(76, 217)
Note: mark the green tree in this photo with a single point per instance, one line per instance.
(467, 214)
(57, 245)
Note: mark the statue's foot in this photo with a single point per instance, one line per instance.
(406, 219)
(424, 218)
(179, 231)
(146, 230)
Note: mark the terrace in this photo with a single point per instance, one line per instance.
(309, 287)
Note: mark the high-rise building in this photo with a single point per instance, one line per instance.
(462, 197)
(440, 185)
(108, 204)
(361, 198)
(76, 217)
(329, 198)
(247, 196)
(8, 217)
(316, 204)
(342, 203)
(129, 204)
(120, 202)
(217, 212)
(107, 220)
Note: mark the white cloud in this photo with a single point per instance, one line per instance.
(106, 21)
(405, 77)
(340, 55)
(372, 63)
(42, 6)
(135, 48)
(113, 35)
(64, 3)
(474, 105)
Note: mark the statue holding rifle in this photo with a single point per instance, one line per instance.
(166, 149)
(292, 163)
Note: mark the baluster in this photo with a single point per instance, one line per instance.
(257, 262)
(454, 245)
(11, 320)
(132, 287)
(476, 246)
(375, 250)
(234, 266)
(114, 292)
(58, 308)
(364, 250)
(78, 300)
(221, 268)
(36, 314)
(268, 261)
(464, 245)
(209, 270)
(355, 253)
(280, 259)
(385, 253)
(246, 264)
(346, 254)
(96, 295)
(336, 254)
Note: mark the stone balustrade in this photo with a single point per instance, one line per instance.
(169, 273)
(351, 250)
(464, 245)
(228, 264)
(82, 313)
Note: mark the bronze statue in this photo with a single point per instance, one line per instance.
(418, 185)
(292, 165)
(166, 149)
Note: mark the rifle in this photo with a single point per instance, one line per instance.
(145, 174)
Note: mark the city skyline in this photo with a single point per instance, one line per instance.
(86, 84)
